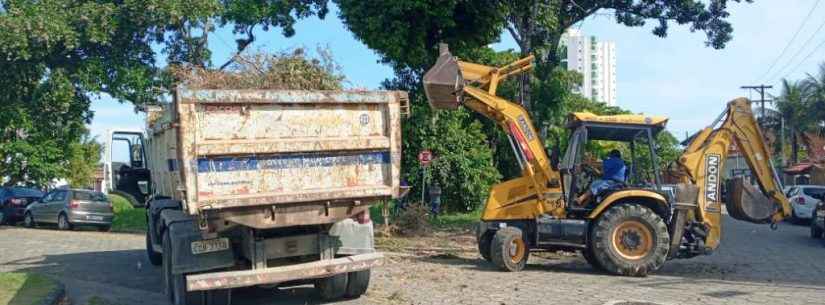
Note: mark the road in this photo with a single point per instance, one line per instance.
(753, 266)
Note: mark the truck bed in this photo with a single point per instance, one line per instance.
(254, 148)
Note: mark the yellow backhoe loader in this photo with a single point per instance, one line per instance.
(632, 227)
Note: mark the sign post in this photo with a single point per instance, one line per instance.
(424, 159)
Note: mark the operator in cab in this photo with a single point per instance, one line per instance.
(613, 172)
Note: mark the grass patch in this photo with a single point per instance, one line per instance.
(127, 218)
(446, 222)
(96, 300)
(457, 221)
(24, 288)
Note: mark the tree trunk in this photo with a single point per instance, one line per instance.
(794, 148)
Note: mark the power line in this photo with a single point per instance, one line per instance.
(790, 62)
(806, 57)
(799, 29)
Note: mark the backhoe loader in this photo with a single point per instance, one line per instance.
(634, 226)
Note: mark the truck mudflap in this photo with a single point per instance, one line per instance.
(311, 270)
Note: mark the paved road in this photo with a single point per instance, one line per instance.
(754, 266)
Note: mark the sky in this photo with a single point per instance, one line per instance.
(678, 76)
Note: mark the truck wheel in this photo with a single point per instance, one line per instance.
(509, 250)
(175, 284)
(155, 258)
(333, 287)
(587, 253)
(357, 283)
(484, 242)
(816, 232)
(630, 239)
(63, 222)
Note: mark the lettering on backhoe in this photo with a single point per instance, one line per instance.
(528, 132)
(712, 167)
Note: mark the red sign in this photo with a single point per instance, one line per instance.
(425, 157)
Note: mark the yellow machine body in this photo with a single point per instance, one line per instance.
(540, 190)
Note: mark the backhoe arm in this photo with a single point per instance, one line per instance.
(451, 83)
(703, 164)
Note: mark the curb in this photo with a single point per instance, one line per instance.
(56, 296)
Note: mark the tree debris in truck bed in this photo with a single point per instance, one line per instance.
(284, 71)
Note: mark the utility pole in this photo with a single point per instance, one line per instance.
(761, 90)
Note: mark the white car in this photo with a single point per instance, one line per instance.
(804, 199)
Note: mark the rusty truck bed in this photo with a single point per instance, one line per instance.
(245, 148)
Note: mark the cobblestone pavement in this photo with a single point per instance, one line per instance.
(754, 265)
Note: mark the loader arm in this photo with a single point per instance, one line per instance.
(452, 83)
(703, 164)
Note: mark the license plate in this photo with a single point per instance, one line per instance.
(210, 245)
(94, 217)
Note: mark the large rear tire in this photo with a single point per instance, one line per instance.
(509, 250)
(333, 287)
(630, 239)
(588, 255)
(357, 283)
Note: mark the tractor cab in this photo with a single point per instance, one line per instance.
(591, 135)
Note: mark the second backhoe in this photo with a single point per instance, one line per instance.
(634, 226)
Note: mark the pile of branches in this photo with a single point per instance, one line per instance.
(281, 71)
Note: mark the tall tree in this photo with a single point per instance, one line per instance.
(56, 55)
(792, 107)
(406, 32)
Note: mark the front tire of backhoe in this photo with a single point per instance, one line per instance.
(484, 244)
(509, 250)
(333, 287)
(630, 239)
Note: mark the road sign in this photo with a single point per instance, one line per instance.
(425, 157)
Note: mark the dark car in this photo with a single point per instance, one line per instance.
(818, 218)
(13, 203)
(71, 207)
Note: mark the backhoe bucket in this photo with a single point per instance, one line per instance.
(746, 202)
(443, 83)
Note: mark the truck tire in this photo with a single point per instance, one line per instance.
(333, 287)
(357, 283)
(509, 250)
(175, 284)
(484, 242)
(155, 258)
(630, 239)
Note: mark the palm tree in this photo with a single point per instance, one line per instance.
(814, 87)
(793, 108)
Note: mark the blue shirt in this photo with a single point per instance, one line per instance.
(613, 169)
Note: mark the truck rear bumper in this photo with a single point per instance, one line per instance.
(316, 269)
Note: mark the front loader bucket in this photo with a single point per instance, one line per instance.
(443, 83)
(746, 202)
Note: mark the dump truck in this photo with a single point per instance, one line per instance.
(261, 187)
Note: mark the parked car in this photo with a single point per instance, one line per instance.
(804, 199)
(71, 207)
(818, 221)
(13, 203)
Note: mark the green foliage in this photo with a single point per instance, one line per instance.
(405, 33)
(463, 164)
(127, 218)
(56, 55)
(83, 162)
